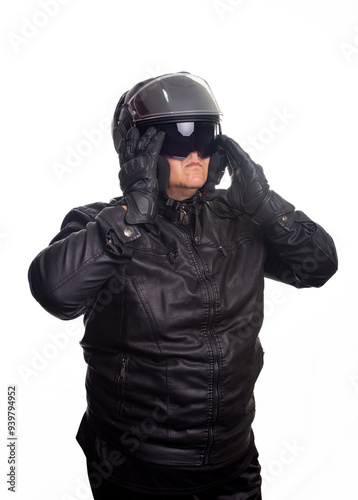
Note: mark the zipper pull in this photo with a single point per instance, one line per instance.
(224, 252)
(171, 256)
(123, 369)
(182, 214)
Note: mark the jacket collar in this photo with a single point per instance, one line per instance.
(174, 209)
(185, 212)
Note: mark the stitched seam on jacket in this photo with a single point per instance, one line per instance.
(74, 273)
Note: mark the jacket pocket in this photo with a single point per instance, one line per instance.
(230, 247)
(161, 255)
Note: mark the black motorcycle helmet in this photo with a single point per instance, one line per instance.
(184, 107)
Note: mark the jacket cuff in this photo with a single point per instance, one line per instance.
(114, 219)
(275, 215)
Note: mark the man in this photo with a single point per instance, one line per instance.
(170, 280)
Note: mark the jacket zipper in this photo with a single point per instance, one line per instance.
(123, 369)
(213, 345)
(122, 373)
(215, 351)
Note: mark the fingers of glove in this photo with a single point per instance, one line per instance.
(220, 151)
(132, 142)
(151, 142)
(122, 151)
(223, 158)
(231, 149)
(224, 142)
(231, 166)
(220, 140)
(156, 144)
(127, 144)
(146, 139)
(122, 145)
(260, 172)
(240, 163)
(235, 150)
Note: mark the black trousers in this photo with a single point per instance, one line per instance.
(247, 486)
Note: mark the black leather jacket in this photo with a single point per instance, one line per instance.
(172, 316)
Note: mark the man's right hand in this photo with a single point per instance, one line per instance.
(138, 158)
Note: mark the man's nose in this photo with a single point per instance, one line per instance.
(195, 155)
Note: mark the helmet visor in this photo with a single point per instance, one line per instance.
(183, 138)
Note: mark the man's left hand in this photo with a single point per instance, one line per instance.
(249, 191)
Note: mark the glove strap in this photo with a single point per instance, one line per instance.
(274, 209)
(142, 207)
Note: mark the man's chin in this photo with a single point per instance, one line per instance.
(192, 187)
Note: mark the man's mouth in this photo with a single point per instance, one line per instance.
(193, 164)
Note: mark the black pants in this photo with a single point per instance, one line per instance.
(247, 486)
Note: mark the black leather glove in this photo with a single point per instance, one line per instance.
(138, 174)
(249, 191)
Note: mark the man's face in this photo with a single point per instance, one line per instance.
(187, 176)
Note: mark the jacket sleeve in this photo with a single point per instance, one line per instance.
(67, 274)
(300, 252)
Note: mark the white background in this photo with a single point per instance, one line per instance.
(64, 66)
